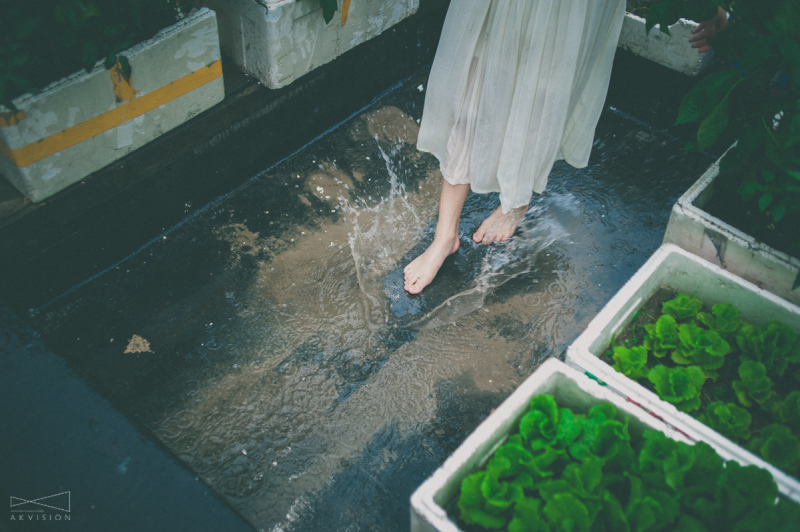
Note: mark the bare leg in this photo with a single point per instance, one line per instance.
(421, 271)
(499, 226)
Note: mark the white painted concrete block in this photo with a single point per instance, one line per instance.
(569, 388)
(674, 268)
(278, 41)
(76, 126)
(672, 51)
(695, 230)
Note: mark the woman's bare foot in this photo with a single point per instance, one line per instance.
(499, 226)
(421, 271)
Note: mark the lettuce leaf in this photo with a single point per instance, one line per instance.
(679, 385)
(662, 336)
(728, 419)
(631, 362)
(683, 307)
(700, 347)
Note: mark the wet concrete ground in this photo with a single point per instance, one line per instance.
(264, 340)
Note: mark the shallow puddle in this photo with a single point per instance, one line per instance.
(284, 363)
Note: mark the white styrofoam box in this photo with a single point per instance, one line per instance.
(277, 41)
(674, 268)
(76, 125)
(569, 388)
(673, 51)
(695, 230)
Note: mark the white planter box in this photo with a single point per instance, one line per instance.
(672, 51)
(277, 41)
(693, 229)
(673, 268)
(77, 125)
(569, 388)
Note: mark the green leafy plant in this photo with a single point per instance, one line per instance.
(662, 336)
(728, 419)
(773, 343)
(757, 101)
(43, 42)
(679, 385)
(631, 362)
(736, 386)
(779, 446)
(700, 347)
(570, 471)
(682, 307)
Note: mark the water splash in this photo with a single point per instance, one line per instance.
(550, 220)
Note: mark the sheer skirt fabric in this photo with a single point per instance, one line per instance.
(515, 86)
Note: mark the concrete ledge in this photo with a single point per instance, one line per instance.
(278, 41)
(718, 242)
(674, 52)
(83, 122)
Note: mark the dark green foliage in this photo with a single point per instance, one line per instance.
(329, 8)
(567, 471)
(778, 446)
(755, 102)
(43, 41)
(728, 419)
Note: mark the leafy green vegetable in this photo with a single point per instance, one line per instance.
(587, 473)
(778, 446)
(631, 362)
(703, 348)
(682, 307)
(679, 385)
(730, 420)
(724, 319)
(755, 385)
(662, 335)
(774, 344)
(790, 410)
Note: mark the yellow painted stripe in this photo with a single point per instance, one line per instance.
(345, 9)
(128, 111)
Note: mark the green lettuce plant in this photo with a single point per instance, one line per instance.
(700, 347)
(662, 336)
(679, 385)
(567, 471)
(683, 307)
(778, 446)
(733, 376)
(631, 362)
(730, 420)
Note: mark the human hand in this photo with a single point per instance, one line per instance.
(706, 29)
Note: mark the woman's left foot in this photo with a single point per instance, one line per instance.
(499, 226)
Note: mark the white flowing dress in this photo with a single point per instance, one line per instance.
(515, 86)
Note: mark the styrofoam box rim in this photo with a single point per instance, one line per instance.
(657, 272)
(688, 204)
(552, 376)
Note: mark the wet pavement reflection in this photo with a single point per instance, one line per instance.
(267, 342)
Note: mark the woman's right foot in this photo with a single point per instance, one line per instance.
(499, 226)
(421, 271)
